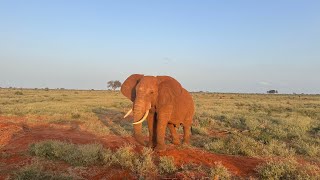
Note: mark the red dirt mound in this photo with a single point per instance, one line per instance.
(240, 166)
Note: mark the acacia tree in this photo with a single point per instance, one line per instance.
(114, 85)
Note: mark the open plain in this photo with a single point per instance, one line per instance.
(81, 134)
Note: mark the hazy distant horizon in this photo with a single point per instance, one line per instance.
(216, 46)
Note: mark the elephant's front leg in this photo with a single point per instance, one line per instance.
(162, 122)
(152, 127)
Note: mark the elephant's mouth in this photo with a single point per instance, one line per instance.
(143, 118)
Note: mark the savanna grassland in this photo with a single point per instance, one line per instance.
(73, 134)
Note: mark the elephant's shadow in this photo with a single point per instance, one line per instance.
(114, 120)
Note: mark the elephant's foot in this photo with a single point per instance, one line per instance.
(160, 148)
(139, 139)
(186, 142)
(176, 142)
(150, 145)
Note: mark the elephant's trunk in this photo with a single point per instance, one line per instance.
(138, 113)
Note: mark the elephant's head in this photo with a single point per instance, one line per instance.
(148, 92)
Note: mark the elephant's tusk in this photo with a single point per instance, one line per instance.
(144, 118)
(129, 112)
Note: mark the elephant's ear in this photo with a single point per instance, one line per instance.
(128, 87)
(169, 88)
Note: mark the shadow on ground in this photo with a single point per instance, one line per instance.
(114, 120)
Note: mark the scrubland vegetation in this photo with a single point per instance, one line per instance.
(283, 130)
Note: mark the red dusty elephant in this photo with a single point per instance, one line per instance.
(162, 101)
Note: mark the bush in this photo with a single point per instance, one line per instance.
(140, 164)
(287, 169)
(144, 165)
(36, 172)
(275, 147)
(18, 93)
(78, 155)
(235, 145)
(218, 171)
(304, 148)
(124, 157)
(166, 165)
(75, 115)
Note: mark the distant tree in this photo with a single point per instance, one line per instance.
(272, 91)
(114, 85)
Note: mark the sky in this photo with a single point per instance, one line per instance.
(244, 46)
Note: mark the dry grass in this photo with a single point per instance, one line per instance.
(287, 169)
(256, 125)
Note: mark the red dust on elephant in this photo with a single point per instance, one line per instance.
(163, 102)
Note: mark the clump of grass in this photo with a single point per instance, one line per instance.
(18, 93)
(78, 155)
(166, 165)
(308, 149)
(278, 148)
(75, 115)
(93, 154)
(36, 172)
(124, 157)
(235, 145)
(142, 165)
(287, 169)
(218, 171)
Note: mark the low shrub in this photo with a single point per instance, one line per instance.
(78, 155)
(166, 165)
(18, 93)
(36, 172)
(287, 169)
(144, 165)
(218, 171)
(235, 144)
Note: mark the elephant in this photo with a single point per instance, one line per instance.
(163, 102)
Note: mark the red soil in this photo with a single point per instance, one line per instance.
(15, 139)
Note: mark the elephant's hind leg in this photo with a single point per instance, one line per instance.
(187, 132)
(175, 135)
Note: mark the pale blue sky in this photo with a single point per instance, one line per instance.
(220, 46)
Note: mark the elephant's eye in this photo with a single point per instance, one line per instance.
(151, 92)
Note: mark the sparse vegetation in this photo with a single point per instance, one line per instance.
(166, 165)
(218, 171)
(78, 155)
(287, 169)
(36, 172)
(231, 124)
(18, 93)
